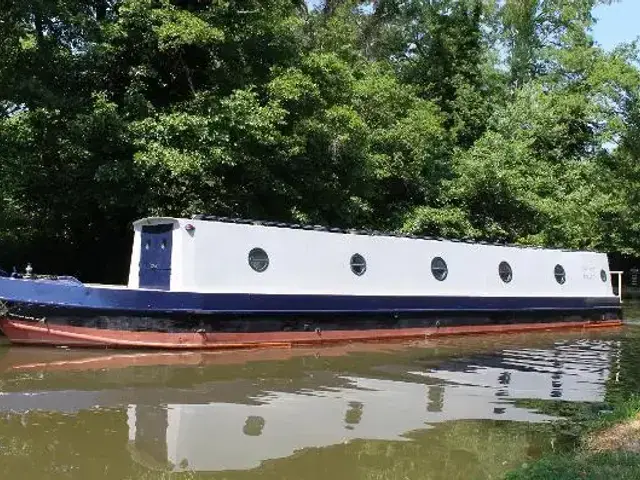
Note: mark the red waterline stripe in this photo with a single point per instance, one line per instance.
(30, 333)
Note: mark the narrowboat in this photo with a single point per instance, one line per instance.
(213, 283)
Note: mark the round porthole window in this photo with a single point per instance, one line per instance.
(439, 268)
(505, 272)
(560, 274)
(258, 259)
(358, 264)
(603, 275)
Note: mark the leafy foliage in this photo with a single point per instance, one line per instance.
(484, 119)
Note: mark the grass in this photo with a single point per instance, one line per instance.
(618, 465)
(600, 455)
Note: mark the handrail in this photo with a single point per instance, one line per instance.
(618, 273)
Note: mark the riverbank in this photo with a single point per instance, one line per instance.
(609, 449)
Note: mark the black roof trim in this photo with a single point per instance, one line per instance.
(352, 231)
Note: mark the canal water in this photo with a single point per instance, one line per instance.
(458, 408)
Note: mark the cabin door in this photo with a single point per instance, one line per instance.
(155, 256)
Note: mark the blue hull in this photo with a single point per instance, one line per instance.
(71, 296)
(44, 312)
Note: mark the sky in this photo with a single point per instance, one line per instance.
(617, 23)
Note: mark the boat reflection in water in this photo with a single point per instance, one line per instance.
(216, 424)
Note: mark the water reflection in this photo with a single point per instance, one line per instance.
(370, 408)
(226, 436)
(213, 417)
(571, 371)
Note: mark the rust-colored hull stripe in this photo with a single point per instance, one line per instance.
(31, 333)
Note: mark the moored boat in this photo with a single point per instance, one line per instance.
(213, 283)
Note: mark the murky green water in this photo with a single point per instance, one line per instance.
(466, 408)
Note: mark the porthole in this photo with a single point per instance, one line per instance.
(358, 264)
(603, 275)
(560, 274)
(439, 268)
(258, 259)
(505, 272)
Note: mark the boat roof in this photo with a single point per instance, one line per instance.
(351, 231)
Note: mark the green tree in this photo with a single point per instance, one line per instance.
(497, 120)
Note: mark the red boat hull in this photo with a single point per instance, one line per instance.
(36, 333)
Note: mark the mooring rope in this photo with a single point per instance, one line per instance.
(5, 311)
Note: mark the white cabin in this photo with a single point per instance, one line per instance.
(213, 255)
